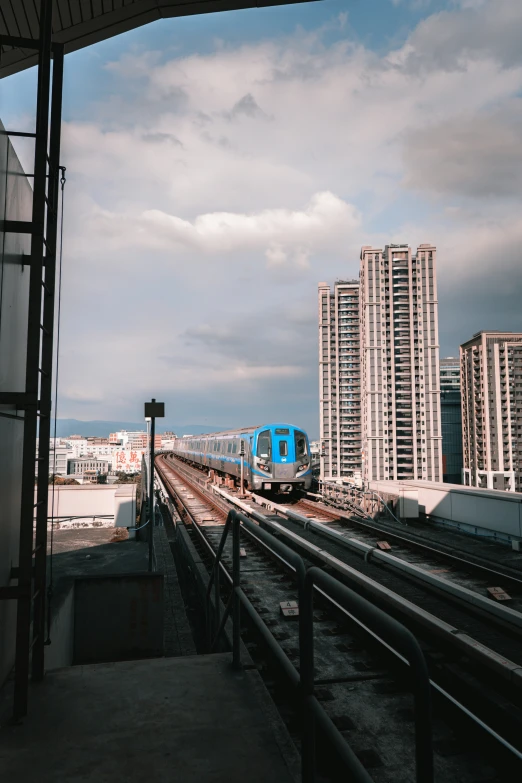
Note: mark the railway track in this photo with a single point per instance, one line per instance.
(460, 580)
(412, 542)
(361, 683)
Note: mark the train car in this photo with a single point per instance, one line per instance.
(276, 456)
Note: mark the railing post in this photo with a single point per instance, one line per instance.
(306, 659)
(236, 615)
(217, 597)
(208, 622)
(423, 725)
(403, 641)
(214, 575)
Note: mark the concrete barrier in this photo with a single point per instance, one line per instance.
(118, 618)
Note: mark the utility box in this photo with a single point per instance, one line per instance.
(125, 508)
(408, 503)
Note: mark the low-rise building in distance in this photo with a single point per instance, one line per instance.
(87, 469)
(69, 456)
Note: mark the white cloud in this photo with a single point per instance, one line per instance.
(474, 155)
(283, 235)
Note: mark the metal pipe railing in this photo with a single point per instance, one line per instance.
(397, 636)
(214, 575)
(391, 631)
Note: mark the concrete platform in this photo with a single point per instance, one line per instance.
(88, 552)
(192, 720)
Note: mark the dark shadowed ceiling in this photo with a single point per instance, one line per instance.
(79, 23)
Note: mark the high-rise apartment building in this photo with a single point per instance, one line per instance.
(451, 420)
(339, 380)
(491, 373)
(401, 431)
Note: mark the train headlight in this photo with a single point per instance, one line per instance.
(264, 467)
(303, 467)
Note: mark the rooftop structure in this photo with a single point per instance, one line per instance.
(87, 22)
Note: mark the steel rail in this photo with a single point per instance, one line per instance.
(461, 561)
(421, 546)
(499, 612)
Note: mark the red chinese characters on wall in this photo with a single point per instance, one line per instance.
(128, 460)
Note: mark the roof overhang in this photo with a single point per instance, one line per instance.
(80, 23)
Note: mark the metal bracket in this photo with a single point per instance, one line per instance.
(20, 227)
(21, 400)
(15, 572)
(368, 554)
(13, 593)
(19, 43)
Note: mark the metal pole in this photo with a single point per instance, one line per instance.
(241, 485)
(32, 385)
(306, 652)
(217, 596)
(47, 366)
(151, 489)
(236, 616)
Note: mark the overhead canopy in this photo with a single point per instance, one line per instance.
(79, 23)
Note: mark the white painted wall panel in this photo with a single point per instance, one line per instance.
(15, 204)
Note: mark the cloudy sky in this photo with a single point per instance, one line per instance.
(219, 166)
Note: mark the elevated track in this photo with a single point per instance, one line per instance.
(473, 650)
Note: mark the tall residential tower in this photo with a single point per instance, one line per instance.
(339, 380)
(401, 429)
(491, 377)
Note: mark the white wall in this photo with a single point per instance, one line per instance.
(92, 501)
(15, 204)
(487, 510)
(125, 507)
(60, 652)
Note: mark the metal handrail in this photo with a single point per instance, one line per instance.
(214, 577)
(393, 633)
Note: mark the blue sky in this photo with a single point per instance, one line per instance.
(220, 166)
(379, 25)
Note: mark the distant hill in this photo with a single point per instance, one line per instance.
(102, 429)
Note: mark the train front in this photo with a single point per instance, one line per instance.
(281, 459)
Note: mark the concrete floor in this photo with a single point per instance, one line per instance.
(189, 720)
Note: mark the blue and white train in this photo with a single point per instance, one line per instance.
(276, 456)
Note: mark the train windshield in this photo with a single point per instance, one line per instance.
(300, 444)
(264, 444)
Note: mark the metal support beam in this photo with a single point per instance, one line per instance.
(23, 43)
(20, 399)
(24, 134)
(9, 593)
(32, 374)
(40, 581)
(18, 227)
(151, 491)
